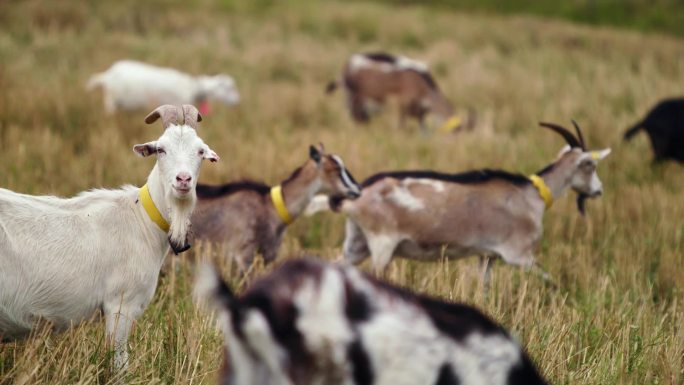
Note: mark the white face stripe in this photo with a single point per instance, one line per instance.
(346, 179)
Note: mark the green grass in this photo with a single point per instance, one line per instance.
(617, 316)
(666, 16)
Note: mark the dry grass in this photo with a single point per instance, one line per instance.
(617, 318)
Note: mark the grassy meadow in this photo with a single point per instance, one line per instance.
(618, 315)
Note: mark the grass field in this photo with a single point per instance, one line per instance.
(616, 318)
(644, 15)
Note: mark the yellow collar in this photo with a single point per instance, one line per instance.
(152, 210)
(279, 203)
(450, 124)
(543, 189)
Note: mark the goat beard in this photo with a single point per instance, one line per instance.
(581, 199)
(181, 211)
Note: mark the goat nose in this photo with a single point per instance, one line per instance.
(184, 177)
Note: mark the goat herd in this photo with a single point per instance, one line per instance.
(308, 322)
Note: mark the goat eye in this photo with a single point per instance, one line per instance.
(161, 151)
(200, 152)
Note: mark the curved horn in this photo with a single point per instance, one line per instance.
(579, 135)
(191, 116)
(167, 113)
(567, 135)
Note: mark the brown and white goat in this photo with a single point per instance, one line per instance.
(424, 214)
(249, 217)
(370, 78)
(310, 322)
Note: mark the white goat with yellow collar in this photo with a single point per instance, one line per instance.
(63, 259)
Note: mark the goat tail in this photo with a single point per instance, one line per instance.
(318, 203)
(95, 81)
(332, 86)
(210, 287)
(633, 130)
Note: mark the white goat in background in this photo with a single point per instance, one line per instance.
(63, 259)
(132, 85)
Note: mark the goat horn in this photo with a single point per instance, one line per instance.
(191, 116)
(167, 113)
(567, 135)
(579, 135)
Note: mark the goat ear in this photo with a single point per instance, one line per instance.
(145, 149)
(600, 154)
(210, 155)
(563, 150)
(315, 154)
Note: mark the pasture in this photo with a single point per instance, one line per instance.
(617, 315)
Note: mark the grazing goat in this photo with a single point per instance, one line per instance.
(132, 85)
(425, 214)
(63, 259)
(250, 217)
(664, 125)
(310, 322)
(370, 78)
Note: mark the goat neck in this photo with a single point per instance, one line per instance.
(175, 211)
(440, 105)
(300, 188)
(158, 195)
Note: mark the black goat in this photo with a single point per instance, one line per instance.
(665, 127)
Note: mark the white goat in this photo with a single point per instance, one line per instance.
(131, 85)
(310, 322)
(63, 259)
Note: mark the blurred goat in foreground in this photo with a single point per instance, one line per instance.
(310, 322)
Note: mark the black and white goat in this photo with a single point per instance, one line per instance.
(63, 259)
(310, 322)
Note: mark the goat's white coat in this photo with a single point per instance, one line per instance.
(131, 85)
(63, 259)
